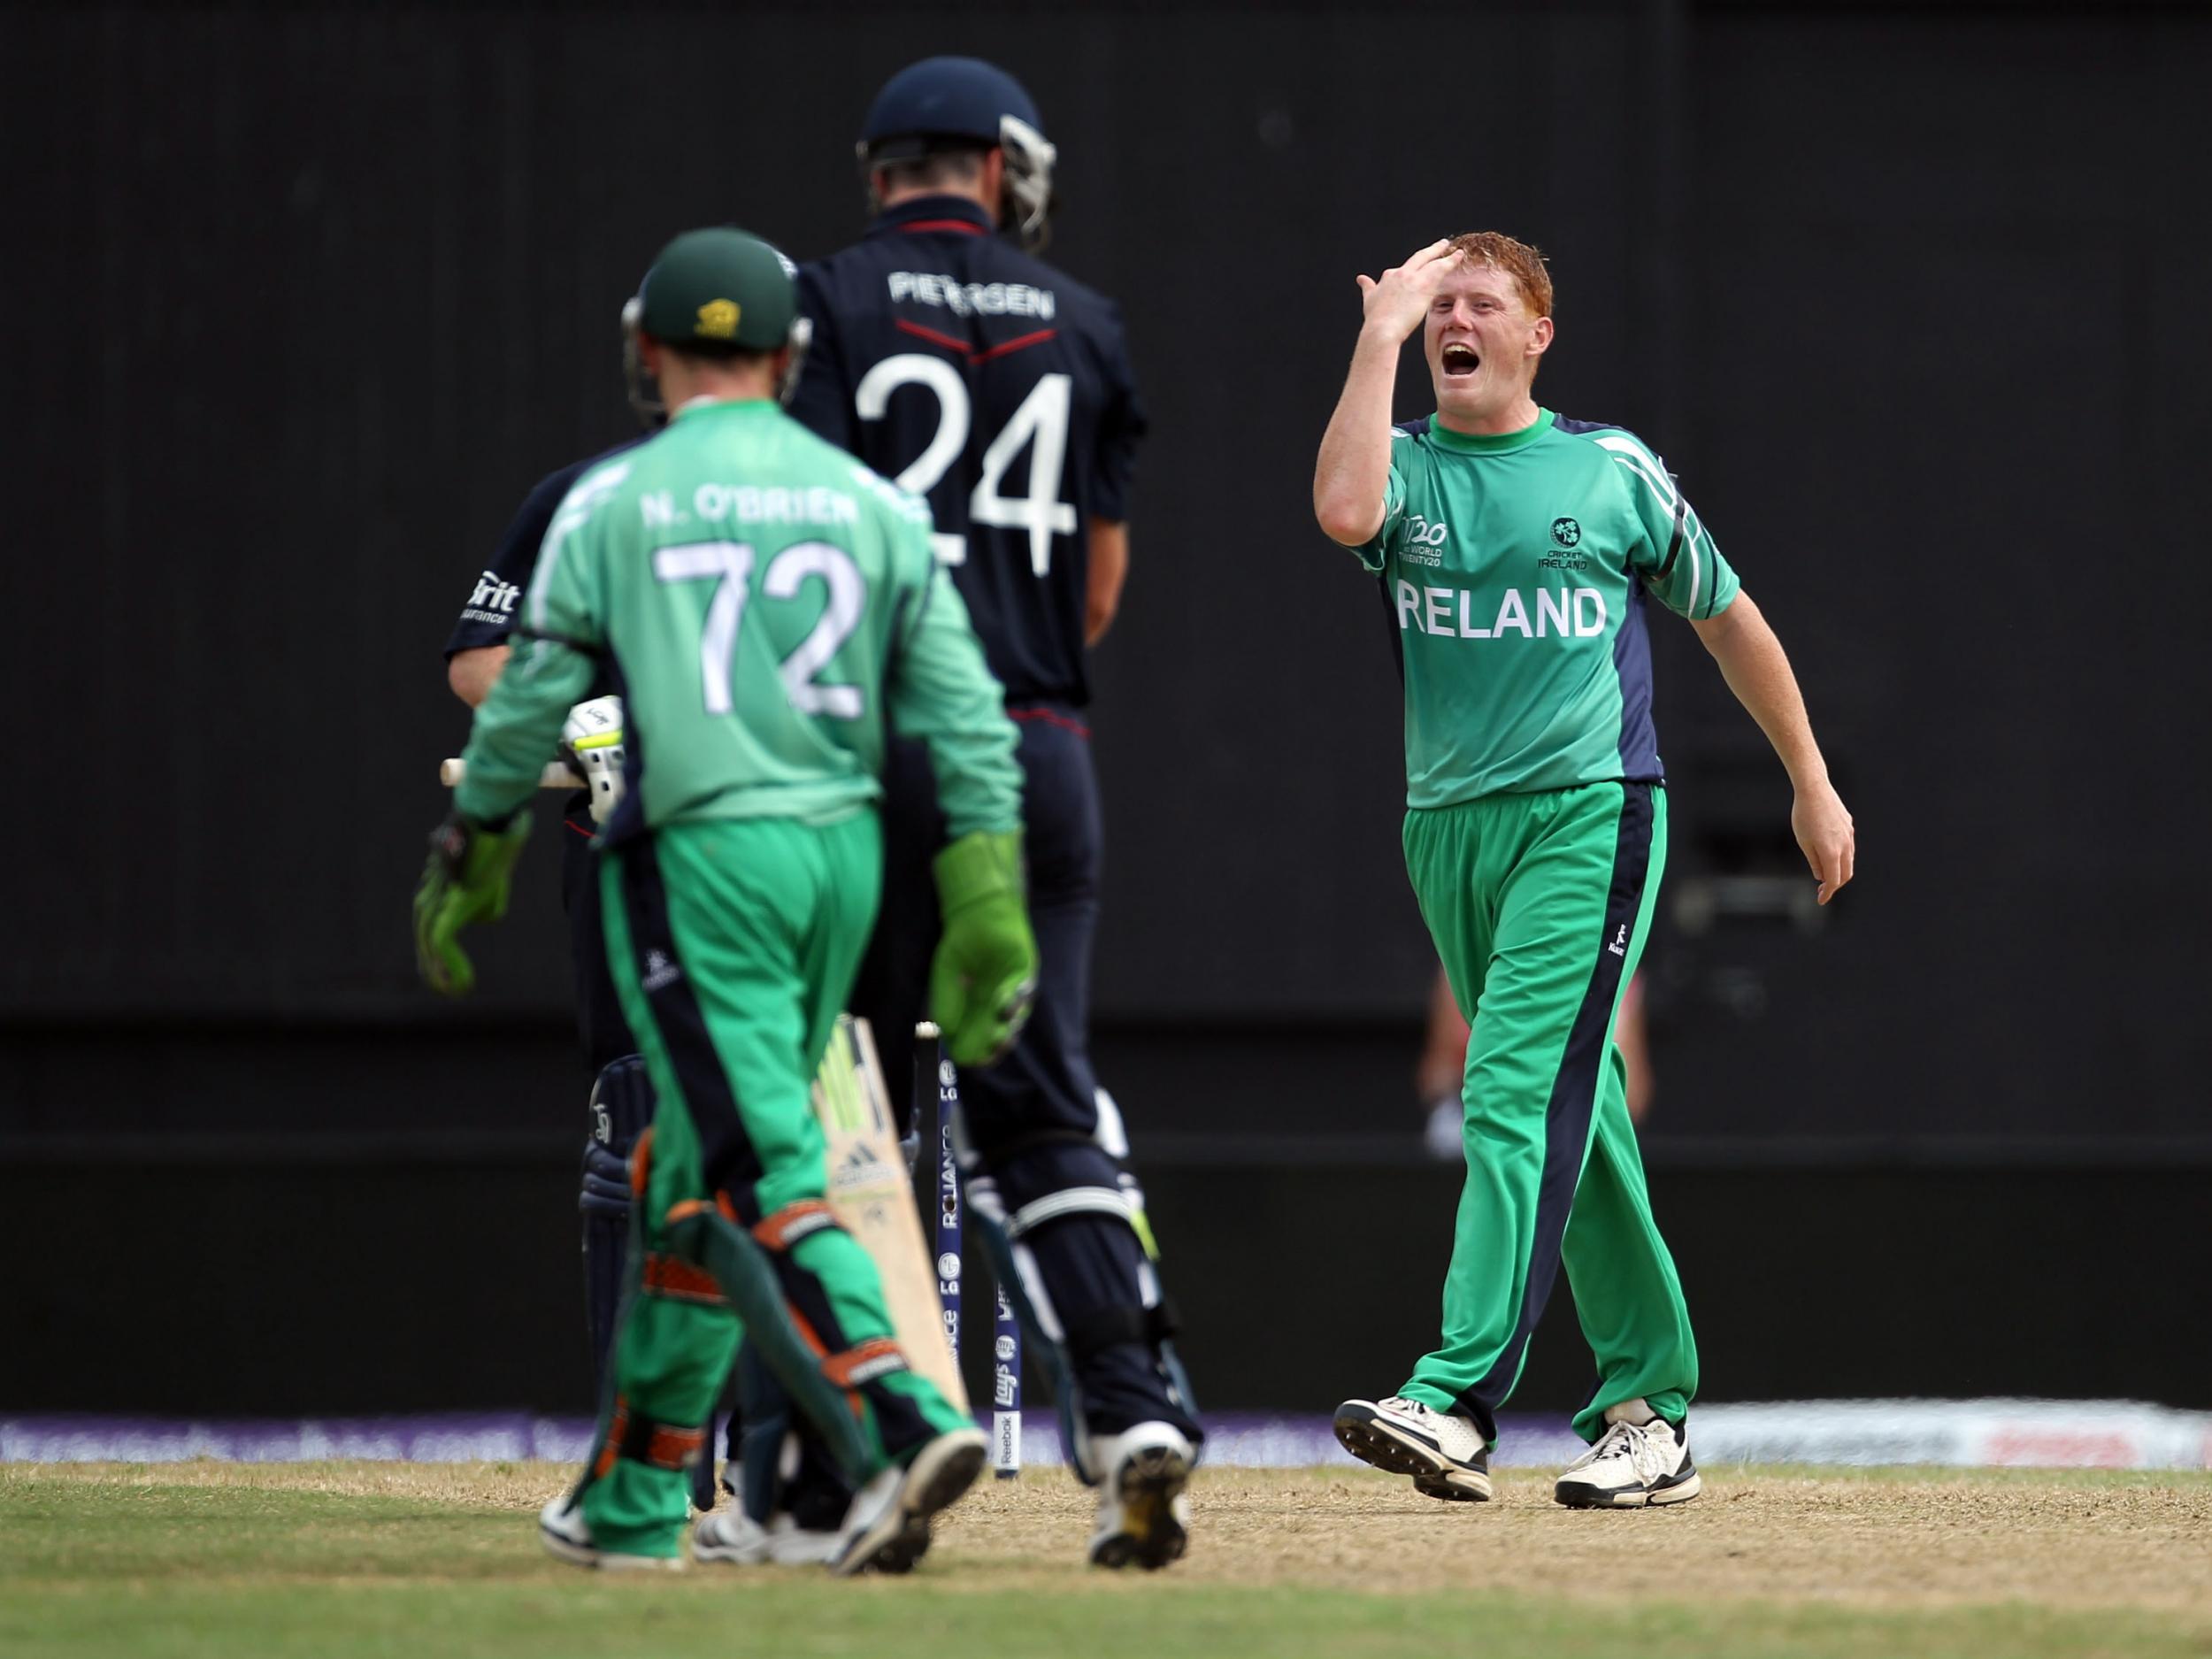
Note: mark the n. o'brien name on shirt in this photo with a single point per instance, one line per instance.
(971, 299)
(1516, 568)
(751, 504)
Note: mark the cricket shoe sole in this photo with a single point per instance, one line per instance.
(1375, 1436)
(1676, 1488)
(1458, 1487)
(566, 1537)
(888, 1531)
(1143, 1516)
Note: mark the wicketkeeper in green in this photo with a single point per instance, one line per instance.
(764, 603)
(1517, 549)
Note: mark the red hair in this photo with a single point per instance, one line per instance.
(1523, 264)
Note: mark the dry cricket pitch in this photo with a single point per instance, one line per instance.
(206, 1559)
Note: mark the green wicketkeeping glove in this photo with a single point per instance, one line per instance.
(985, 971)
(465, 881)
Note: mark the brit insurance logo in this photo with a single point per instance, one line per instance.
(1564, 553)
(492, 602)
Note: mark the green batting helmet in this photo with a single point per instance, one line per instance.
(714, 290)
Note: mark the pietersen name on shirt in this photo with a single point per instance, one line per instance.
(973, 299)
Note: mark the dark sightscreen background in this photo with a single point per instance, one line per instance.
(306, 303)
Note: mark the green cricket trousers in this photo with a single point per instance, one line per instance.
(733, 944)
(1539, 905)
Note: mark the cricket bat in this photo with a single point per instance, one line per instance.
(870, 1191)
(872, 1196)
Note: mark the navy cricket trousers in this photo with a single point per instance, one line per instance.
(1033, 1118)
(1046, 1083)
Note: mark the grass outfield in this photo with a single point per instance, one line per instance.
(336, 1560)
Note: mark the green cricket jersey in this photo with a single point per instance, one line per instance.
(1517, 566)
(764, 601)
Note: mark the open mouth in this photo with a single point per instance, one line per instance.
(1459, 360)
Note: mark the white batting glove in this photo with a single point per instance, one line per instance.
(591, 743)
(1445, 1135)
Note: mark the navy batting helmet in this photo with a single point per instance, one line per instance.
(943, 104)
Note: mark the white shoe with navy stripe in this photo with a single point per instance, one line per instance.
(1640, 1460)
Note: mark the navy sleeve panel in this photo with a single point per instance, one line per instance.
(823, 402)
(488, 617)
(964, 341)
(1121, 429)
(1562, 422)
(1417, 428)
(1390, 626)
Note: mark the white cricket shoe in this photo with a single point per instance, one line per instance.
(732, 1536)
(886, 1529)
(564, 1533)
(1143, 1516)
(1640, 1460)
(1443, 1452)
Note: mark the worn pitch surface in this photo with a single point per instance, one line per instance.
(208, 1558)
(1887, 1537)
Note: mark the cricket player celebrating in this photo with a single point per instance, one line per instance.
(948, 357)
(763, 603)
(1516, 547)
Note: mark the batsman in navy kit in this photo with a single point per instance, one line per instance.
(621, 1099)
(951, 359)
